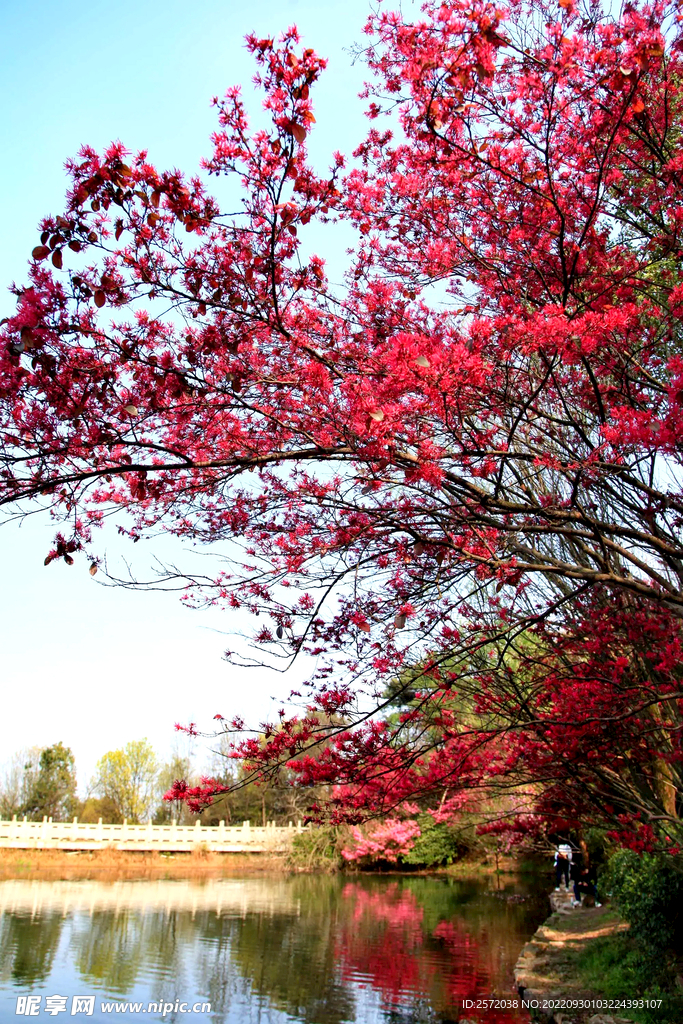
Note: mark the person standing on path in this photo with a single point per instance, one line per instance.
(563, 859)
(583, 876)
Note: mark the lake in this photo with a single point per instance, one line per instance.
(265, 950)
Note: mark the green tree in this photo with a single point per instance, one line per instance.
(129, 778)
(50, 784)
(175, 769)
(93, 808)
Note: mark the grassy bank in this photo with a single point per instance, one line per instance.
(320, 850)
(590, 955)
(115, 865)
(613, 966)
(317, 853)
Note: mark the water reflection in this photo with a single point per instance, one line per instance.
(27, 947)
(315, 950)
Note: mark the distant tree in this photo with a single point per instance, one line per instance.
(11, 784)
(94, 809)
(241, 796)
(177, 767)
(49, 784)
(129, 779)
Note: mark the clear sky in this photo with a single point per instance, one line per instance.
(91, 666)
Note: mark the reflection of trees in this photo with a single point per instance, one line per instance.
(415, 942)
(108, 949)
(220, 983)
(113, 950)
(287, 959)
(321, 950)
(381, 935)
(420, 942)
(28, 947)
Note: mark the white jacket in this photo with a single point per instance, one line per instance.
(564, 850)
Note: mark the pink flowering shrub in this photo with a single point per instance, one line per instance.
(388, 841)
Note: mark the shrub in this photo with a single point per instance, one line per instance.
(389, 841)
(437, 843)
(648, 891)
(317, 849)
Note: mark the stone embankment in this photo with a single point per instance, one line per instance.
(545, 971)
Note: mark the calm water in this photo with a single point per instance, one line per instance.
(319, 950)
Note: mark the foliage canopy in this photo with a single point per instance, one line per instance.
(465, 458)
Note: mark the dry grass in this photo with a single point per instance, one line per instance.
(114, 865)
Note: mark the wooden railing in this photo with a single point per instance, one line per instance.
(78, 835)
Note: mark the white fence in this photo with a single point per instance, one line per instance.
(77, 835)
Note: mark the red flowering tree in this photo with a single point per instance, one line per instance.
(459, 473)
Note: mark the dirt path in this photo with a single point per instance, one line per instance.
(545, 969)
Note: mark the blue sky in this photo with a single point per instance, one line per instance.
(91, 666)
